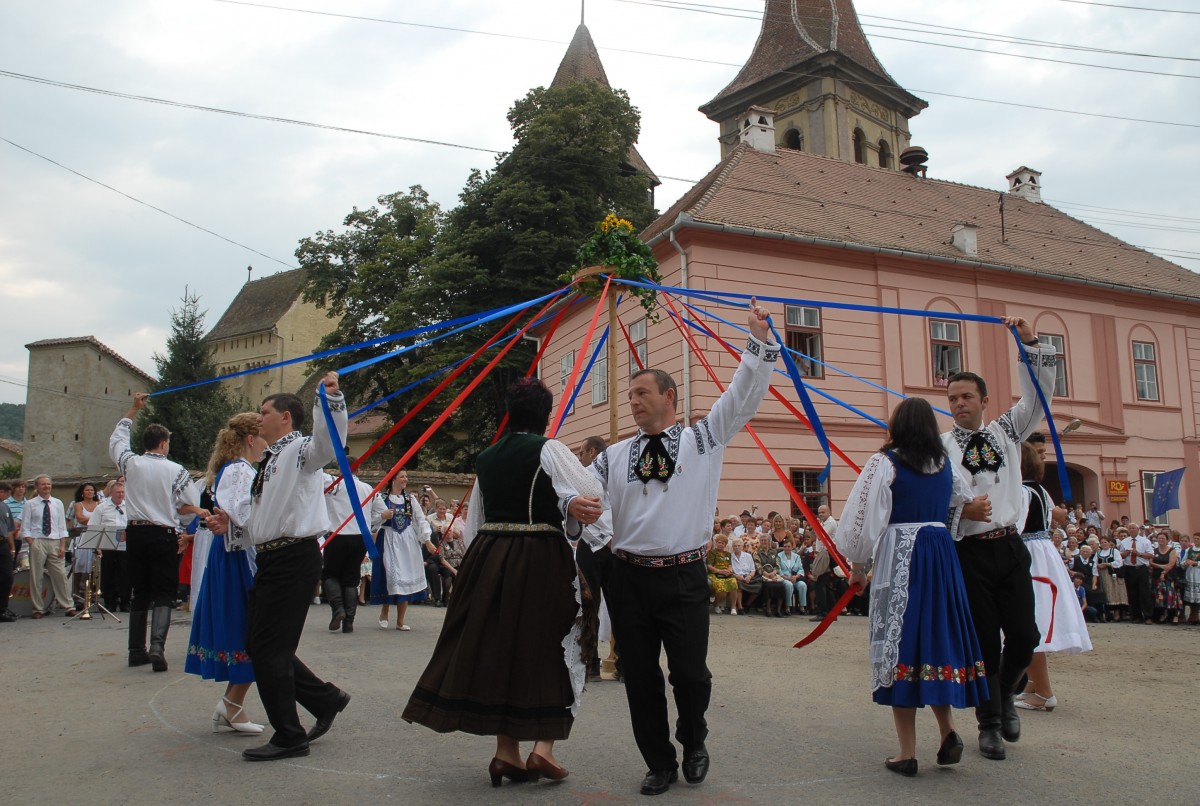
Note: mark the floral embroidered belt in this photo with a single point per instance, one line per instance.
(1003, 531)
(683, 558)
(520, 528)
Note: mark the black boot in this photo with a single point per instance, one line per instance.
(160, 623)
(333, 594)
(137, 639)
(1010, 722)
(350, 603)
(991, 743)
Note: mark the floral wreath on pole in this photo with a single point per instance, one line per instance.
(616, 249)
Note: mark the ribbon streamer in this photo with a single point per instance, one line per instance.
(351, 488)
(587, 340)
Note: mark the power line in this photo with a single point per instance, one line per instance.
(358, 131)
(144, 203)
(1130, 8)
(653, 4)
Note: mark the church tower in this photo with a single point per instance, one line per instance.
(813, 67)
(582, 63)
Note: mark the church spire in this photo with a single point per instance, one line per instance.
(812, 65)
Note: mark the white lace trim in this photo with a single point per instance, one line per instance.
(889, 599)
(572, 656)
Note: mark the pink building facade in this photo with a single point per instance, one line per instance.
(1130, 354)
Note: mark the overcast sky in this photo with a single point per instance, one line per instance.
(78, 259)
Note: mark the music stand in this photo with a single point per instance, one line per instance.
(103, 538)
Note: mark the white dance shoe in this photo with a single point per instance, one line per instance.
(221, 718)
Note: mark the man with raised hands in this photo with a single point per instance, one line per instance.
(287, 517)
(661, 486)
(995, 562)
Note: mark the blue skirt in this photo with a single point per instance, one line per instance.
(378, 595)
(217, 648)
(939, 660)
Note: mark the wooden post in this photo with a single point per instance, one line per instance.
(612, 366)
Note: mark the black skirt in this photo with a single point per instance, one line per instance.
(499, 667)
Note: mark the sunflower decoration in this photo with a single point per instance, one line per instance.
(615, 245)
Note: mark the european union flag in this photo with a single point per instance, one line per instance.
(1166, 492)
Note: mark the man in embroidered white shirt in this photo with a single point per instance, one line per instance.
(661, 486)
(287, 516)
(994, 559)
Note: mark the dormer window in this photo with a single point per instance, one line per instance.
(793, 139)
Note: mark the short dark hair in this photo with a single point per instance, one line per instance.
(597, 444)
(154, 436)
(286, 401)
(5, 487)
(980, 383)
(662, 379)
(913, 435)
(529, 403)
(1037, 438)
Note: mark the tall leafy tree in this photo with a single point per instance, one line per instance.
(195, 415)
(516, 229)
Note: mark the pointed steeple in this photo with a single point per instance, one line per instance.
(581, 63)
(812, 65)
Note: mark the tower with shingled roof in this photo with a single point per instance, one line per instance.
(813, 67)
(581, 63)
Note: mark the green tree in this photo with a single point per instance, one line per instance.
(12, 421)
(515, 230)
(366, 275)
(194, 416)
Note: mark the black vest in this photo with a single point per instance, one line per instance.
(512, 483)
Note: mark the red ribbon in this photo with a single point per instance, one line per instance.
(1053, 602)
(579, 361)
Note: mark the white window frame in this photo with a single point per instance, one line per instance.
(1147, 389)
(600, 380)
(565, 365)
(944, 340)
(638, 338)
(1061, 387)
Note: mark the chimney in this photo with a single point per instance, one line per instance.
(963, 238)
(758, 129)
(1026, 183)
(913, 159)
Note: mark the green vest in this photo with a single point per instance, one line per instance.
(512, 483)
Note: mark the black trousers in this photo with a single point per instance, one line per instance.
(1000, 592)
(279, 600)
(6, 574)
(114, 579)
(153, 564)
(596, 567)
(654, 609)
(1137, 585)
(342, 560)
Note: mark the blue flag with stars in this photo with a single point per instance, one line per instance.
(1166, 492)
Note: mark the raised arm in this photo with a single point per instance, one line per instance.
(1022, 419)
(320, 451)
(739, 402)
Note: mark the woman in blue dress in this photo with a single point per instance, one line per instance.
(923, 648)
(217, 649)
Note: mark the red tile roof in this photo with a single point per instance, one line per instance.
(796, 31)
(791, 193)
(94, 342)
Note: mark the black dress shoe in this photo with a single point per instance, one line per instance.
(1010, 722)
(991, 745)
(273, 752)
(905, 766)
(951, 750)
(326, 722)
(657, 782)
(695, 764)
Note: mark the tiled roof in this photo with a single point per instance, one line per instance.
(259, 305)
(796, 30)
(12, 446)
(93, 341)
(581, 63)
(791, 193)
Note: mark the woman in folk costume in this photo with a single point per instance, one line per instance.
(1059, 619)
(217, 648)
(400, 575)
(923, 649)
(508, 662)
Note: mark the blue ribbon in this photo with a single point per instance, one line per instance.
(836, 369)
(347, 476)
(810, 411)
(587, 370)
(403, 389)
(1063, 480)
(477, 318)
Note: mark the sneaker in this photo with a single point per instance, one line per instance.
(733, 611)
(719, 610)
